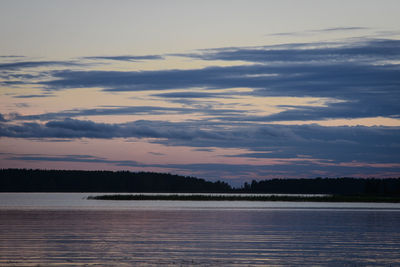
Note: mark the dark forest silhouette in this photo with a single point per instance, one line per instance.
(24, 180)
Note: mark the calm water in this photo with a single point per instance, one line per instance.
(68, 230)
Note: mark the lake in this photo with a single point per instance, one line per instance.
(66, 229)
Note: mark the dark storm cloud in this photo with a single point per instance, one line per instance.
(127, 58)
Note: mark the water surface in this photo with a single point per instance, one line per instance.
(66, 229)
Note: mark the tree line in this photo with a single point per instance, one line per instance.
(335, 186)
(28, 180)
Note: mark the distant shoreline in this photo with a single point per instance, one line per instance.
(207, 197)
(116, 182)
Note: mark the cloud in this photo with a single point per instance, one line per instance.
(157, 154)
(344, 110)
(71, 128)
(336, 29)
(336, 144)
(235, 173)
(2, 119)
(72, 158)
(135, 110)
(326, 30)
(272, 150)
(11, 56)
(284, 34)
(323, 80)
(127, 58)
(352, 79)
(362, 75)
(35, 64)
(205, 149)
(141, 80)
(190, 95)
(125, 110)
(15, 77)
(367, 50)
(33, 96)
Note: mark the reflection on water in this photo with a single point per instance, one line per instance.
(226, 237)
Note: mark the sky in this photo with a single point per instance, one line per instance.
(222, 90)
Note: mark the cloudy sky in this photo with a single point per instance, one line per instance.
(231, 90)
